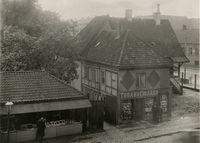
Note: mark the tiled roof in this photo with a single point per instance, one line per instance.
(33, 86)
(161, 39)
(188, 36)
(124, 51)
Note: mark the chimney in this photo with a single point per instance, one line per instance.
(157, 15)
(128, 14)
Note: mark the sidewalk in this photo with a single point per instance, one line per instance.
(131, 134)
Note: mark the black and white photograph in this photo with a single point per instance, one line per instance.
(99, 71)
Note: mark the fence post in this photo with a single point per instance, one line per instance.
(182, 84)
(195, 81)
(184, 72)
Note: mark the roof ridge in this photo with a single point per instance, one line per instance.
(123, 46)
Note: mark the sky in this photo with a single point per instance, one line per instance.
(76, 9)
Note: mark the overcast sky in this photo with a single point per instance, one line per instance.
(75, 9)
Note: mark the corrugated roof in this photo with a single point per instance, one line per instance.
(161, 39)
(32, 86)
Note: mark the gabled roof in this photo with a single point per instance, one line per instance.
(34, 86)
(161, 39)
(123, 50)
(188, 36)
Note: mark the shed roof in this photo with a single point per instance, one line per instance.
(34, 86)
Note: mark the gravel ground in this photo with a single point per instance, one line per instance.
(185, 104)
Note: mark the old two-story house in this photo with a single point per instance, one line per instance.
(127, 63)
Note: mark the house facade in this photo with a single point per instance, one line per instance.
(129, 94)
(128, 63)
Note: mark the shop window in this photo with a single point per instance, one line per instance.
(127, 110)
(140, 80)
(148, 108)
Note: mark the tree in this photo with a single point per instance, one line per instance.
(36, 39)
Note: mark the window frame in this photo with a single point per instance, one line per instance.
(138, 85)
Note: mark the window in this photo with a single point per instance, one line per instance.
(140, 80)
(108, 78)
(86, 72)
(196, 51)
(114, 80)
(103, 77)
(190, 51)
(196, 62)
(93, 75)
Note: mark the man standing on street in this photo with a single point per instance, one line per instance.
(40, 129)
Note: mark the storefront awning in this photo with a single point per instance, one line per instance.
(46, 106)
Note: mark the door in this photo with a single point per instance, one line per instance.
(139, 109)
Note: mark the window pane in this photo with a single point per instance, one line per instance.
(90, 75)
(102, 77)
(142, 81)
(114, 80)
(108, 78)
(86, 72)
(137, 80)
(93, 74)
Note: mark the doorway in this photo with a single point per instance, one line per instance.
(139, 109)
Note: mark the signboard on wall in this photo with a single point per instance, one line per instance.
(163, 102)
(139, 94)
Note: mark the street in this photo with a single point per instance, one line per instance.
(183, 126)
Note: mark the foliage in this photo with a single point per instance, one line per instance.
(35, 39)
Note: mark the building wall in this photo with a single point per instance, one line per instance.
(192, 52)
(137, 102)
(119, 81)
(100, 83)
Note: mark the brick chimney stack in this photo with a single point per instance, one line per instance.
(157, 15)
(128, 14)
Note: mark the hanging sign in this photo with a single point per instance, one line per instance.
(139, 94)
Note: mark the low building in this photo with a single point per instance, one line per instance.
(35, 94)
(189, 40)
(128, 62)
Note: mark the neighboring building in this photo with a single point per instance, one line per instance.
(36, 94)
(128, 63)
(189, 40)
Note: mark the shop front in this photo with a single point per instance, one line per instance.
(36, 94)
(60, 120)
(138, 104)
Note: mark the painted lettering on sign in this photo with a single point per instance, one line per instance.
(139, 94)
